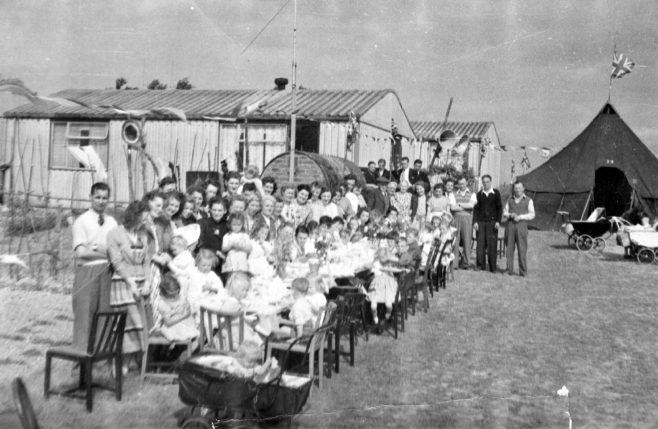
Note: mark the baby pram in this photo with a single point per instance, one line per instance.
(216, 397)
(589, 234)
(643, 245)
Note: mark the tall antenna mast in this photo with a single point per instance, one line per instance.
(293, 115)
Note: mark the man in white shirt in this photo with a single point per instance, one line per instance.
(518, 210)
(404, 173)
(92, 275)
(461, 205)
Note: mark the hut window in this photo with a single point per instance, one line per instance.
(70, 144)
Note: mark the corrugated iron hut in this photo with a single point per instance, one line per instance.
(240, 127)
(482, 152)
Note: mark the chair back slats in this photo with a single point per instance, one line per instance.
(95, 343)
(346, 308)
(329, 314)
(108, 341)
(109, 338)
(431, 259)
(446, 250)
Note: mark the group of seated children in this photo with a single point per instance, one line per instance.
(404, 256)
(192, 283)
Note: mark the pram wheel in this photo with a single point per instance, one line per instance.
(571, 241)
(599, 244)
(584, 242)
(645, 256)
(199, 422)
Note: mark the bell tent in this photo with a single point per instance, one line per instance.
(607, 165)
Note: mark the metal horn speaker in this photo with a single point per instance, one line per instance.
(131, 132)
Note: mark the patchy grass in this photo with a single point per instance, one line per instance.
(491, 352)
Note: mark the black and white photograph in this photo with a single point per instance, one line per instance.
(328, 214)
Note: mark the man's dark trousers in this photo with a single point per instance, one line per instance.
(487, 243)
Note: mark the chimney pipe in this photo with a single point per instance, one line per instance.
(280, 83)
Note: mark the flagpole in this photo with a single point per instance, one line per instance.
(293, 115)
(614, 53)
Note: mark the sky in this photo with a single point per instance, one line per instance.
(538, 69)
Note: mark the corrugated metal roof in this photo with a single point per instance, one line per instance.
(198, 103)
(430, 130)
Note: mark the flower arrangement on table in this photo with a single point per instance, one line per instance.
(322, 247)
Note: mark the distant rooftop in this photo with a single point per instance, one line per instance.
(431, 130)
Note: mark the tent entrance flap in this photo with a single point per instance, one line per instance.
(612, 191)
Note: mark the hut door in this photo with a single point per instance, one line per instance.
(612, 191)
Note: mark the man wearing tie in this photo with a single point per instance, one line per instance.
(92, 276)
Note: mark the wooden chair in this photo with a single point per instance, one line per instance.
(23, 404)
(211, 320)
(430, 280)
(421, 282)
(105, 343)
(316, 345)
(346, 322)
(443, 270)
(157, 340)
(412, 285)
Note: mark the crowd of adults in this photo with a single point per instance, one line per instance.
(119, 264)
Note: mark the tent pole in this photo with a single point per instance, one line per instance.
(559, 208)
(589, 196)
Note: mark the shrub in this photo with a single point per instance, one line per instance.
(29, 221)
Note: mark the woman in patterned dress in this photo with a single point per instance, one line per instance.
(402, 201)
(159, 234)
(128, 252)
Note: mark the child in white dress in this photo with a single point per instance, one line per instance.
(182, 263)
(384, 286)
(205, 286)
(258, 260)
(236, 245)
(176, 320)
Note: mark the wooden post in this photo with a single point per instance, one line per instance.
(203, 150)
(129, 162)
(58, 256)
(245, 161)
(582, 216)
(193, 151)
(438, 142)
(115, 191)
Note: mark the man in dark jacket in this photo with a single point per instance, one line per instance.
(371, 174)
(380, 198)
(421, 176)
(382, 171)
(487, 214)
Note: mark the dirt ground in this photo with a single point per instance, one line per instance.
(491, 352)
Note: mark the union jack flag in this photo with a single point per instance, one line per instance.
(621, 65)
